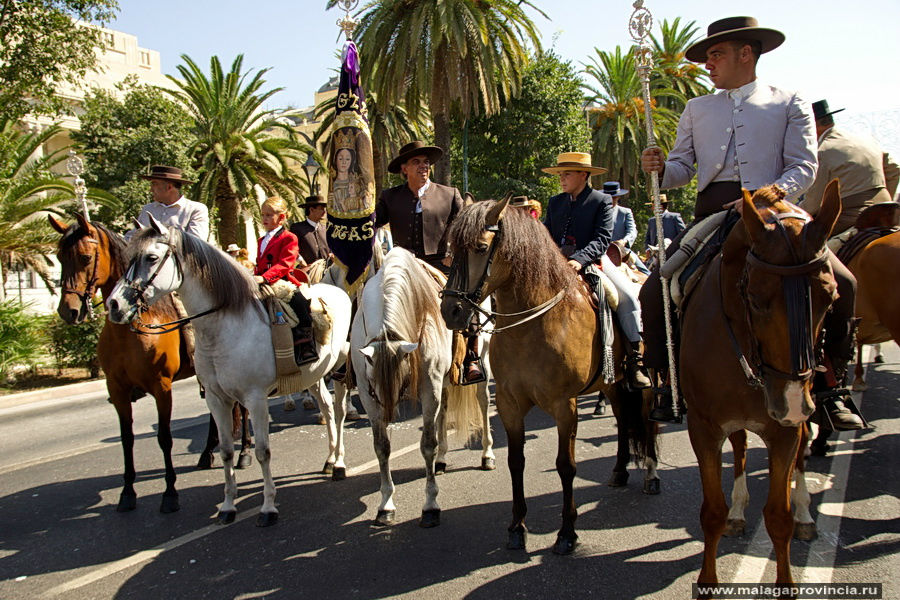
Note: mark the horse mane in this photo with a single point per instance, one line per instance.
(525, 245)
(229, 285)
(410, 305)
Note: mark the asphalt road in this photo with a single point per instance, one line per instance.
(60, 476)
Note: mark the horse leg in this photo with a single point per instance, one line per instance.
(707, 443)
(783, 448)
(121, 400)
(220, 409)
(207, 457)
(859, 382)
(163, 396)
(440, 462)
(567, 427)
(819, 445)
(514, 423)
(333, 410)
(804, 525)
(651, 477)
(878, 356)
(431, 412)
(382, 443)
(242, 425)
(258, 405)
(488, 460)
(619, 477)
(740, 497)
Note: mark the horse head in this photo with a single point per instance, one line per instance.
(84, 254)
(475, 272)
(153, 272)
(784, 291)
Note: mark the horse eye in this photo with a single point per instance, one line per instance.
(85, 259)
(481, 247)
(152, 258)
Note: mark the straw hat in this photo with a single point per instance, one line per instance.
(574, 161)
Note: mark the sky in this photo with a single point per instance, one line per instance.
(846, 52)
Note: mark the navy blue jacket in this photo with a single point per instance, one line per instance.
(590, 226)
(672, 226)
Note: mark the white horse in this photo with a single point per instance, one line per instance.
(234, 356)
(399, 347)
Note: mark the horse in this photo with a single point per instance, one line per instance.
(400, 347)
(93, 258)
(234, 356)
(763, 297)
(541, 306)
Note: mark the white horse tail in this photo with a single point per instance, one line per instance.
(463, 412)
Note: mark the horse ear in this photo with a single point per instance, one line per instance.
(408, 347)
(819, 230)
(468, 199)
(137, 224)
(496, 213)
(56, 224)
(82, 222)
(157, 226)
(754, 223)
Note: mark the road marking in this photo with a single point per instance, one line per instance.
(831, 509)
(116, 566)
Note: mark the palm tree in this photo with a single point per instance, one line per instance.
(672, 69)
(462, 57)
(616, 114)
(239, 145)
(28, 189)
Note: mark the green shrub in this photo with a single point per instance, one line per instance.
(21, 337)
(76, 345)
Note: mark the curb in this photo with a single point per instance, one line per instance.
(96, 386)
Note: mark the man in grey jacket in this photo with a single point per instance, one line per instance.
(748, 135)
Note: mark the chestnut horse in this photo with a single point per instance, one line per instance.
(92, 258)
(748, 353)
(509, 254)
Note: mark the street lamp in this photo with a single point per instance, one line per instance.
(312, 169)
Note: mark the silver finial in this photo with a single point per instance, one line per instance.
(348, 23)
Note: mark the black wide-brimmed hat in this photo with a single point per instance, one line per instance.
(166, 174)
(820, 109)
(314, 200)
(415, 148)
(613, 189)
(734, 28)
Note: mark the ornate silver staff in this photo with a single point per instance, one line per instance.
(639, 28)
(75, 167)
(348, 23)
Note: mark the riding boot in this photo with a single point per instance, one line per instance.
(635, 374)
(471, 367)
(305, 351)
(664, 406)
(836, 399)
(600, 408)
(187, 329)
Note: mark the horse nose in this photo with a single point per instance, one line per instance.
(67, 314)
(115, 312)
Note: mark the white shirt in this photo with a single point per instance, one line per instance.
(266, 238)
(315, 224)
(421, 193)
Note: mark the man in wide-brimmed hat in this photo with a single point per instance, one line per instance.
(867, 173)
(623, 219)
(170, 207)
(748, 135)
(673, 224)
(580, 221)
(311, 232)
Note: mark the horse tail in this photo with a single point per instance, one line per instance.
(464, 412)
(634, 407)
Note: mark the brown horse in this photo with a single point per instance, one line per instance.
(542, 306)
(764, 297)
(92, 258)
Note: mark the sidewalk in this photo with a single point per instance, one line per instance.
(85, 388)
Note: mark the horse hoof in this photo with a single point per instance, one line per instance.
(517, 539)
(440, 468)
(169, 504)
(127, 502)
(227, 516)
(488, 464)
(244, 461)
(385, 518)
(651, 486)
(430, 518)
(265, 519)
(206, 461)
(340, 474)
(565, 546)
(818, 449)
(859, 386)
(618, 479)
(879, 359)
(805, 532)
(734, 528)
(289, 404)
(328, 469)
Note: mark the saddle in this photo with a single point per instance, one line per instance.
(874, 222)
(859, 240)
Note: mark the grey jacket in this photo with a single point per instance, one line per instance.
(774, 135)
(623, 226)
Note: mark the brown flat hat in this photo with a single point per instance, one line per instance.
(416, 148)
(315, 200)
(734, 28)
(166, 174)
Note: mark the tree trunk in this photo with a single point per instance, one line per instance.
(229, 206)
(2, 283)
(378, 169)
(442, 140)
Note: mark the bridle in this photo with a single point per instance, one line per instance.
(798, 301)
(459, 277)
(87, 296)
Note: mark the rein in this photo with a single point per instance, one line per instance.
(798, 302)
(173, 325)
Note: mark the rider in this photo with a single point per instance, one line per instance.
(624, 231)
(673, 224)
(580, 221)
(420, 213)
(276, 256)
(311, 232)
(727, 139)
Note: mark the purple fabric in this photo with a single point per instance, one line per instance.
(350, 58)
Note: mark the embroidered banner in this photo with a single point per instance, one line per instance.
(351, 176)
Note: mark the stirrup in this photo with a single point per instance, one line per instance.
(465, 375)
(843, 395)
(664, 410)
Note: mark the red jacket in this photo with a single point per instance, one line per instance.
(278, 259)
